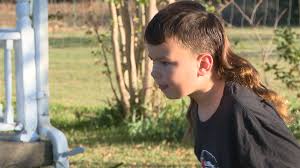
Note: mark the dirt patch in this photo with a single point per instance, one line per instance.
(7, 15)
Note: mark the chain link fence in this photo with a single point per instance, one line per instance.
(69, 16)
(287, 11)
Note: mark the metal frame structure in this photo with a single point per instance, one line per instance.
(29, 40)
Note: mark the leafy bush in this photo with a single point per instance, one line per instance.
(85, 117)
(111, 116)
(295, 126)
(288, 51)
(169, 124)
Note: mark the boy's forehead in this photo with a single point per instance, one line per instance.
(158, 51)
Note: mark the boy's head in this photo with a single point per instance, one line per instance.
(186, 44)
(196, 42)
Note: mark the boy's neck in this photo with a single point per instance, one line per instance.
(209, 100)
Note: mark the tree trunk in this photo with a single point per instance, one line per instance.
(147, 83)
(140, 49)
(129, 34)
(123, 46)
(132, 73)
(117, 60)
(152, 10)
(122, 31)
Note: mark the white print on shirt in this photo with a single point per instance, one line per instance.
(208, 160)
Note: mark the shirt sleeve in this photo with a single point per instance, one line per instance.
(263, 140)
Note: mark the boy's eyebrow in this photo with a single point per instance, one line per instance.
(157, 58)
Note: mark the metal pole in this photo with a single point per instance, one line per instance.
(9, 113)
(46, 130)
(25, 74)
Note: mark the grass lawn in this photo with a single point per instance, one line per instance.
(136, 155)
(76, 81)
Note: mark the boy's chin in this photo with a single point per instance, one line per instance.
(173, 96)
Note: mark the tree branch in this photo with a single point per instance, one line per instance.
(109, 74)
(255, 9)
(242, 12)
(223, 6)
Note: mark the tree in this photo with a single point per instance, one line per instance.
(131, 65)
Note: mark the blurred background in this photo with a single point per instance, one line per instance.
(126, 122)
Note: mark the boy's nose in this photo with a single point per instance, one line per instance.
(155, 74)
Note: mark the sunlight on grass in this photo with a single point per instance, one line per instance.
(75, 79)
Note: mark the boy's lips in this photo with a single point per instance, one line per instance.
(163, 87)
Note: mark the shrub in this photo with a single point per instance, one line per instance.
(288, 51)
(169, 125)
(82, 118)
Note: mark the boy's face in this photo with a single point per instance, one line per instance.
(174, 69)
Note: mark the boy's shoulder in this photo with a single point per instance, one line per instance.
(249, 104)
(261, 135)
(243, 96)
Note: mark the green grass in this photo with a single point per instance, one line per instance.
(136, 155)
(75, 79)
(111, 146)
(250, 41)
(76, 83)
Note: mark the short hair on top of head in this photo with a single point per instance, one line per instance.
(190, 24)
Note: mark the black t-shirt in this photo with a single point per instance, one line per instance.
(244, 132)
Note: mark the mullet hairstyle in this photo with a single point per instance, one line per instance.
(201, 31)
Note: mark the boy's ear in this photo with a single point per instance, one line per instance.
(205, 63)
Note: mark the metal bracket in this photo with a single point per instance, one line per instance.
(73, 152)
(39, 95)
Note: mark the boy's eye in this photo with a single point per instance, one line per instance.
(165, 62)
